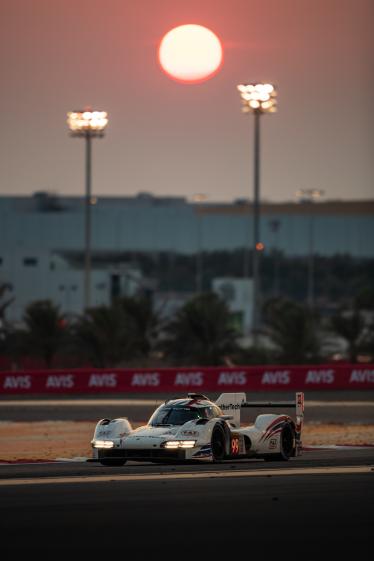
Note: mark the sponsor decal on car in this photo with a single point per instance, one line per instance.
(104, 432)
(234, 445)
(230, 406)
(275, 427)
(189, 433)
(273, 443)
(204, 452)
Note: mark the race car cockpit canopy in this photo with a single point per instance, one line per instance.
(179, 412)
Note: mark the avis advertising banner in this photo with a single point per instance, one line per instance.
(217, 379)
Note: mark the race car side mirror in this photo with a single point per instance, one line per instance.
(226, 417)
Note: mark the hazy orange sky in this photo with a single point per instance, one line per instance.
(176, 139)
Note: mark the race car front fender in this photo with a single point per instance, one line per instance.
(107, 429)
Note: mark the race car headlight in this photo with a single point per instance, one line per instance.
(103, 444)
(173, 444)
(187, 443)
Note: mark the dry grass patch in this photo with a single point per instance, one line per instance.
(49, 440)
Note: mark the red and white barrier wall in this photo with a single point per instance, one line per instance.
(180, 380)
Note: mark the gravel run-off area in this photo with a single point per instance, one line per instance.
(49, 440)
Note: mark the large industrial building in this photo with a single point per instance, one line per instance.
(42, 238)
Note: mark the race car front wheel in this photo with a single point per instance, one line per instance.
(287, 445)
(106, 460)
(218, 444)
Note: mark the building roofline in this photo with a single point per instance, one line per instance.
(364, 207)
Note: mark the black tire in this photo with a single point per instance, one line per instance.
(113, 462)
(287, 445)
(218, 443)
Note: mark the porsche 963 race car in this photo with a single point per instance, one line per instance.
(195, 428)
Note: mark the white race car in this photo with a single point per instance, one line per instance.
(195, 428)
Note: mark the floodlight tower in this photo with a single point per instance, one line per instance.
(257, 99)
(87, 124)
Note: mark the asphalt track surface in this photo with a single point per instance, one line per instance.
(140, 511)
(324, 407)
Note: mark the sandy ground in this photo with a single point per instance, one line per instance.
(71, 439)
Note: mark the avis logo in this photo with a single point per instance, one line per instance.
(60, 381)
(189, 379)
(148, 379)
(277, 377)
(103, 381)
(362, 376)
(320, 377)
(232, 379)
(17, 382)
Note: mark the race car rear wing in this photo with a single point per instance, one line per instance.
(265, 404)
(232, 403)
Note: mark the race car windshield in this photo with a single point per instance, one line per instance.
(174, 416)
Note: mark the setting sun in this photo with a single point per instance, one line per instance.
(190, 53)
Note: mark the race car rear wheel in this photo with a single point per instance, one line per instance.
(287, 445)
(218, 444)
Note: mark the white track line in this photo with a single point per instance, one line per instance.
(146, 402)
(183, 476)
(312, 447)
(17, 463)
(339, 404)
(83, 459)
(77, 402)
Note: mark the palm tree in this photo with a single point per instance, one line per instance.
(45, 330)
(12, 345)
(292, 328)
(351, 327)
(108, 335)
(4, 304)
(255, 355)
(367, 341)
(139, 314)
(201, 332)
(100, 336)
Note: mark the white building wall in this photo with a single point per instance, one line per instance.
(238, 294)
(33, 275)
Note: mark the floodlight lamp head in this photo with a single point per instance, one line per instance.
(87, 122)
(258, 97)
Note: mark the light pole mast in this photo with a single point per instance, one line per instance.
(310, 196)
(274, 226)
(87, 124)
(87, 229)
(199, 198)
(257, 99)
(256, 227)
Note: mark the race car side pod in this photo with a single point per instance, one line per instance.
(299, 406)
